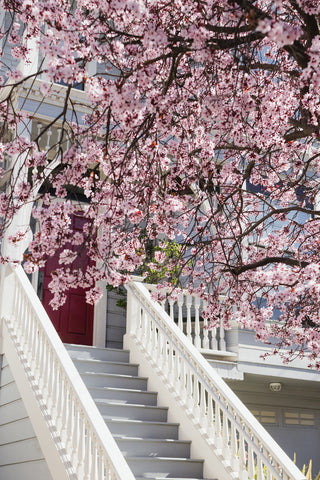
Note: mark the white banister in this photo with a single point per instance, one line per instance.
(224, 427)
(86, 446)
(186, 311)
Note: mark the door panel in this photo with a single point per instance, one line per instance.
(74, 320)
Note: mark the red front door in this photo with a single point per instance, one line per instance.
(74, 320)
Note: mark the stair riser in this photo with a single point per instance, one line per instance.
(166, 467)
(143, 430)
(105, 367)
(124, 396)
(92, 353)
(100, 380)
(133, 412)
(150, 448)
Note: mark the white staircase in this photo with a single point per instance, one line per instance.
(140, 428)
(78, 443)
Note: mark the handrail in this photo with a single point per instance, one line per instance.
(88, 443)
(186, 311)
(224, 422)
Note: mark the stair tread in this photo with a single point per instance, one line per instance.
(167, 459)
(113, 375)
(151, 422)
(151, 440)
(93, 348)
(115, 389)
(108, 362)
(126, 405)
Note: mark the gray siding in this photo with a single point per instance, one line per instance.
(20, 453)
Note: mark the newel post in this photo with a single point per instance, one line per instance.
(132, 312)
(7, 294)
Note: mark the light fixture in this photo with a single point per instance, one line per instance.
(275, 386)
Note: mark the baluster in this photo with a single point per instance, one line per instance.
(101, 468)
(189, 388)
(70, 421)
(60, 386)
(242, 457)
(49, 133)
(59, 135)
(39, 127)
(148, 323)
(211, 420)
(46, 373)
(81, 442)
(65, 410)
(16, 307)
(197, 338)
(165, 361)
(75, 434)
(189, 326)
(196, 398)
(222, 342)
(87, 453)
(203, 406)
(205, 341)
(159, 348)
(38, 351)
(251, 465)
(260, 469)
(214, 342)
(217, 425)
(171, 309)
(180, 317)
(154, 340)
(225, 434)
(42, 362)
(55, 388)
(176, 373)
(94, 458)
(171, 377)
(28, 339)
(33, 342)
(183, 380)
(234, 446)
(143, 325)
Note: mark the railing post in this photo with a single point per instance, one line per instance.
(132, 313)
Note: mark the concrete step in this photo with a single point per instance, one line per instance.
(142, 429)
(102, 366)
(114, 380)
(140, 447)
(132, 412)
(166, 467)
(123, 395)
(85, 352)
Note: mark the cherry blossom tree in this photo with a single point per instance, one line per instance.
(200, 125)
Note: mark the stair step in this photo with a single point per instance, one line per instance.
(95, 353)
(144, 429)
(123, 395)
(132, 412)
(102, 366)
(165, 467)
(138, 447)
(114, 380)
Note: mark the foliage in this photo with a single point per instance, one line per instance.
(201, 123)
(164, 264)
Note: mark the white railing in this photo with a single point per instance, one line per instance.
(85, 440)
(225, 424)
(186, 311)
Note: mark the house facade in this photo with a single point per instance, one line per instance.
(245, 417)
